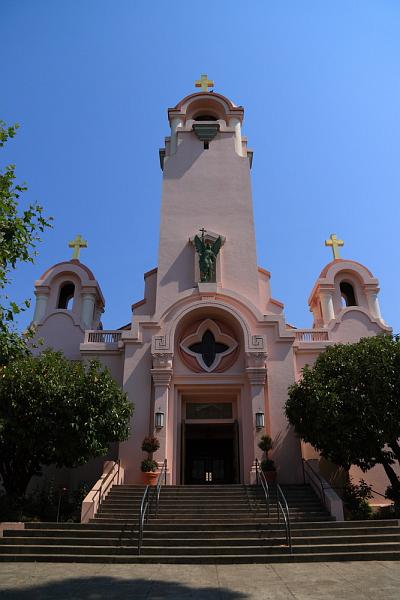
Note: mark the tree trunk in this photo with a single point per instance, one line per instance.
(394, 445)
(394, 480)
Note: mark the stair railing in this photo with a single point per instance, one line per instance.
(143, 515)
(150, 498)
(311, 474)
(162, 478)
(282, 507)
(260, 479)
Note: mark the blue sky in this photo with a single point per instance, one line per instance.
(90, 82)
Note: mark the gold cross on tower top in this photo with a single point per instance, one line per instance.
(77, 244)
(204, 83)
(335, 243)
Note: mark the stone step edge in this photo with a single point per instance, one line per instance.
(215, 559)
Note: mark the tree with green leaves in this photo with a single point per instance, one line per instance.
(56, 411)
(20, 232)
(348, 406)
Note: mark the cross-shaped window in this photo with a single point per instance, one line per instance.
(208, 348)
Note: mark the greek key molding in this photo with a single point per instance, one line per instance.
(159, 343)
(257, 342)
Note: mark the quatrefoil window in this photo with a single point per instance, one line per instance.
(208, 345)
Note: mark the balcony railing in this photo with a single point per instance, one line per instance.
(102, 337)
(311, 335)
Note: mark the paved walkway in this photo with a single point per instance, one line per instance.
(318, 581)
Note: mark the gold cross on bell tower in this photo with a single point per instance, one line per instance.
(335, 244)
(77, 244)
(204, 83)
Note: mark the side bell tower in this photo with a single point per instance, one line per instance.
(68, 301)
(345, 299)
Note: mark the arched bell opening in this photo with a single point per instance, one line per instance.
(203, 117)
(66, 296)
(206, 109)
(347, 294)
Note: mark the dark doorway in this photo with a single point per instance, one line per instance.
(210, 454)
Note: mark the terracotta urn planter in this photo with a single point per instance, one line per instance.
(150, 477)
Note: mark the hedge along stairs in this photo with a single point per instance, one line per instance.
(205, 524)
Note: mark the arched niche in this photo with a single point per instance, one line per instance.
(347, 294)
(66, 295)
(203, 107)
(349, 290)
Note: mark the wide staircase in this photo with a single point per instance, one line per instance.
(206, 524)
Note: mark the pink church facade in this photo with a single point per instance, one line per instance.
(207, 364)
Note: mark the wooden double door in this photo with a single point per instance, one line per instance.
(210, 454)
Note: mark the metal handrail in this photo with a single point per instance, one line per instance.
(316, 476)
(150, 494)
(260, 478)
(162, 476)
(286, 515)
(143, 515)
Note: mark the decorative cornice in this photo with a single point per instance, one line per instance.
(256, 359)
(161, 377)
(256, 376)
(162, 360)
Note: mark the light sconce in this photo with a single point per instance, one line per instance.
(260, 420)
(159, 420)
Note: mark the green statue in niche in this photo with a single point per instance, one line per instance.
(208, 253)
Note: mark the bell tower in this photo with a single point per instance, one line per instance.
(69, 300)
(206, 187)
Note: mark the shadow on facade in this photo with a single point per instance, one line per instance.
(112, 588)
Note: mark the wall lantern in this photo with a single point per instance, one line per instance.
(159, 420)
(259, 420)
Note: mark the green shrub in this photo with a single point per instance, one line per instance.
(150, 444)
(265, 444)
(149, 465)
(355, 498)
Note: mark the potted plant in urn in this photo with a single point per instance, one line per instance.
(149, 466)
(267, 465)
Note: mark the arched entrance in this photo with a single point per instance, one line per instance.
(209, 385)
(209, 379)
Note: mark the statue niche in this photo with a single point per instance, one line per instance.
(208, 252)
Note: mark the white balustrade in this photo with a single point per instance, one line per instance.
(312, 335)
(102, 337)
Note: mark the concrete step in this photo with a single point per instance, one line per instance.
(69, 541)
(201, 510)
(257, 525)
(268, 533)
(247, 540)
(217, 519)
(233, 550)
(61, 534)
(205, 524)
(284, 557)
(227, 549)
